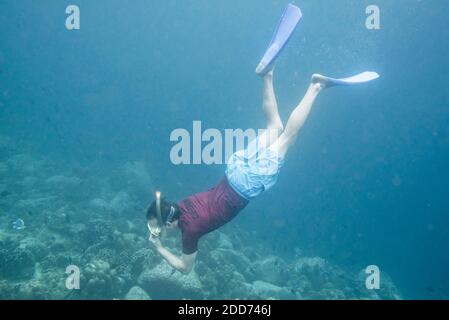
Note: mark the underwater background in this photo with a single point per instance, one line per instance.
(85, 121)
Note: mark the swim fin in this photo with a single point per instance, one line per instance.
(289, 20)
(359, 78)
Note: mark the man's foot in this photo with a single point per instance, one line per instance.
(263, 72)
(269, 74)
(321, 81)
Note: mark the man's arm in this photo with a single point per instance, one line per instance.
(183, 264)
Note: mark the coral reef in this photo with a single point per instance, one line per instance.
(101, 281)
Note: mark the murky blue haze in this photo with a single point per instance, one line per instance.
(367, 181)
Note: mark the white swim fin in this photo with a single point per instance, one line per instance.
(359, 78)
(286, 26)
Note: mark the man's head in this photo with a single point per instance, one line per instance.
(169, 214)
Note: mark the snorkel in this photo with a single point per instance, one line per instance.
(158, 231)
(158, 209)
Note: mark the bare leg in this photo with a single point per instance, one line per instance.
(270, 109)
(299, 116)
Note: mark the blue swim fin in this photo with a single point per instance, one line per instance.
(290, 18)
(359, 78)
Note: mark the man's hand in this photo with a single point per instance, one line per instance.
(155, 241)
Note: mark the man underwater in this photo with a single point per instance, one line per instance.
(250, 171)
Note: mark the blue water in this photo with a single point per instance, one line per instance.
(366, 183)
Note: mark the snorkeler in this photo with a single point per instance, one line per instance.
(250, 171)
